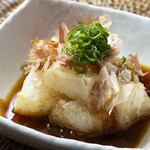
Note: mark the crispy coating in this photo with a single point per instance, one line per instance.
(75, 115)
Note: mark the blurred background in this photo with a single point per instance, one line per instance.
(141, 7)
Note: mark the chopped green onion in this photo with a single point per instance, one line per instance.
(133, 68)
(87, 44)
(123, 60)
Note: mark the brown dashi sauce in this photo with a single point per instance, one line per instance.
(130, 137)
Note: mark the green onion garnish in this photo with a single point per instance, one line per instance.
(124, 65)
(123, 60)
(87, 44)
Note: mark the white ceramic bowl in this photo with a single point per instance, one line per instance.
(41, 18)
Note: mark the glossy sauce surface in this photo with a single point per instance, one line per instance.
(127, 138)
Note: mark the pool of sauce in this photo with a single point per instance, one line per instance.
(130, 137)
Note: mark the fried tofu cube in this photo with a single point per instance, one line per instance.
(57, 80)
(137, 106)
(33, 100)
(75, 115)
(66, 81)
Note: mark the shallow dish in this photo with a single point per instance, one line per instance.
(41, 18)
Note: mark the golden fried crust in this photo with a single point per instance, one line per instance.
(33, 100)
(66, 81)
(137, 106)
(75, 115)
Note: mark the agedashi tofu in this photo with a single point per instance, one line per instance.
(80, 83)
(66, 81)
(33, 100)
